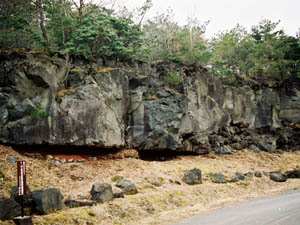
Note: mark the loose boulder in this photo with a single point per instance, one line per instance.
(249, 175)
(9, 209)
(127, 186)
(237, 146)
(101, 192)
(218, 178)
(47, 200)
(11, 160)
(237, 177)
(278, 176)
(258, 174)
(74, 203)
(293, 174)
(118, 193)
(193, 176)
(254, 148)
(157, 181)
(266, 142)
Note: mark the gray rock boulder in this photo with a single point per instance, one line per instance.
(47, 200)
(226, 149)
(118, 193)
(157, 181)
(193, 176)
(11, 159)
(258, 174)
(101, 192)
(218, 178)
(292, 174)
(237, 146)
(265, 173)
(249, 175)
(9, 209)
(74, 203)
(127, 186)
(237, 177)
(254, 148)
(278, 176)
(265, 142)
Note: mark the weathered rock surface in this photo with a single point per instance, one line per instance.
(9, 209)
(45, 105)
(46, 99)
(193, 176)
(47, 200)
(290, 102)
(127, 186)
(101, 192)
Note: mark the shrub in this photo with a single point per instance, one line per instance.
(173, 77)
(38, 112)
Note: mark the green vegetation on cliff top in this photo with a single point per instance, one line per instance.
(83, 28)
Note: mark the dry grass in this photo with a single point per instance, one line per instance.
(153, 204)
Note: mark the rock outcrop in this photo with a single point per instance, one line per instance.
(49, 98)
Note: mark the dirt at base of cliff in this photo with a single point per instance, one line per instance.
(154, 204)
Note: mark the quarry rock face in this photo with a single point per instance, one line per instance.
(49, 98)
(39, 105)
(290, 102)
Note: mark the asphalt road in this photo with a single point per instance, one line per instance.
(281, 209)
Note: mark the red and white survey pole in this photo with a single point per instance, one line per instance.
(21, 165)
(22, 191)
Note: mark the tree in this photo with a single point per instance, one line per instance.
(19, 19)
(102, 34)
(80, 7)
(158, 37)
(61, 23)
(40, 6)
(143, 10)
(165, 39)
(265, 52)
(290, 47)
(190, 44)
(232, 52)
(269, 50)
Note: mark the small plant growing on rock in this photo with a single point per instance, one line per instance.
(38, 112)
(173, 77)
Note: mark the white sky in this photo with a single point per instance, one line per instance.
(225, 14)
